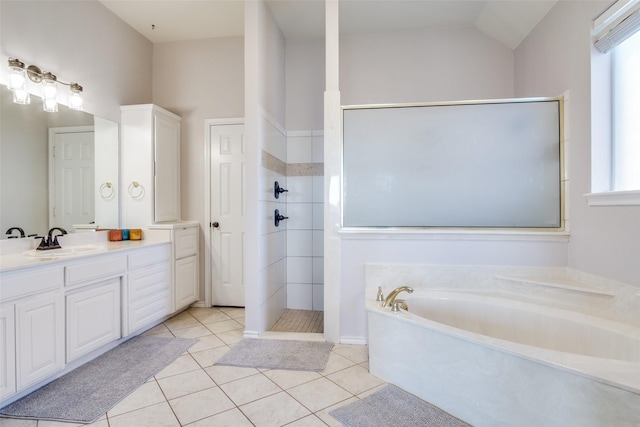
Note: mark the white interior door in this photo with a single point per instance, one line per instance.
(71, 183)
(227, 214)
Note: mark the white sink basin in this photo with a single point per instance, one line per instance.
(67, 251)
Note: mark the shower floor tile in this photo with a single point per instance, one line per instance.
(300, 321)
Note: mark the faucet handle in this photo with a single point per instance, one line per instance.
(379, 296)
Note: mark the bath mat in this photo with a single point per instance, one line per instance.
(393, 406)
(278, 354)
(86, 393)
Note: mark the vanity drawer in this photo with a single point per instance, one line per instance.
(149, 256)
(186, 242)
(15, 284)
(96, 268)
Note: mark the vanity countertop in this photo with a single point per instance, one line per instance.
(10, 260)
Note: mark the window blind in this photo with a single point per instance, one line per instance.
(619, 29)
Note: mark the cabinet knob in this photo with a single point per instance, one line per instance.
(215, 224)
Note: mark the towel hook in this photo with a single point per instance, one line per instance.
(277, 217)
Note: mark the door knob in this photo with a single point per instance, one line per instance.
(215, 224)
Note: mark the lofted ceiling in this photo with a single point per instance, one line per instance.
(508, 21)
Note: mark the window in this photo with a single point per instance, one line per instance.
(615, 129)
(626, 115)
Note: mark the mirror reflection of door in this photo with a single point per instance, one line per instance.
(71, 176)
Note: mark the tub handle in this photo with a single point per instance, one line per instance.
(399, 304)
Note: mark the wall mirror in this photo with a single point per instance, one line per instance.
(76, 188)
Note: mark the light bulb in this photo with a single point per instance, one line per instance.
(21, 96)
(75, 96)
(17, 75)
(49, 93)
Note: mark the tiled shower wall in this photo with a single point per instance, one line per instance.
(305, 262)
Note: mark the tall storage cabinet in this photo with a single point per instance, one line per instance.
(150, 165)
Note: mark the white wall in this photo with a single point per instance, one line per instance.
(446, 64)
(198, 80)
(555, 57)
(82, 42)
(443, 65)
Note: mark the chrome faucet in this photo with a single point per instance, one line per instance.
(388, 302)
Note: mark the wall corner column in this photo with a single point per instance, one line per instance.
(332, 178)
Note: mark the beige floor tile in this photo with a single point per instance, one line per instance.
(273, 411)
(231, 337)
(159, 415)
(206, 342)
(232, 418)
(328, 419)
(336, 363)
(183, 384)
(248, 389)
(159, 329)
(319, 394)
(200, 405)
(147, 395)
(234, 312)
(207, 358)
(288, 379)
(182, 364)
(355, 379)
(213, 317)
(47, 423)
(308, 421)
(356, 353)
(14, 422)
(196, 331)
(224, 326)
(226, 374)
(183, 322)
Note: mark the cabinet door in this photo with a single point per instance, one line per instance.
(7, 351)
(39, 338)
(149, 296)
(167, 168)
(186, 286)
(93, 318)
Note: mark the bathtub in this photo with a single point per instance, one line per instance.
(497, 361)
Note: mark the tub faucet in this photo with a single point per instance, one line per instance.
(388, 302)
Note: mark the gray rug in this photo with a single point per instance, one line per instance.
(86, 393)
(278, 354)
(393, 406)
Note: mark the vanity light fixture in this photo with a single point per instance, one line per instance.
(18, 85)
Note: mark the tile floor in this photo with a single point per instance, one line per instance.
(194, 392)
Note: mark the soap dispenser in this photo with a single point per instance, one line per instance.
(379, 296)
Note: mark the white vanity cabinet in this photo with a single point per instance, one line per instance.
(31, 327)
(92, 294)
(7, 351)
(185, 260)
(149, 287)
(150, 165)
(39, 338)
